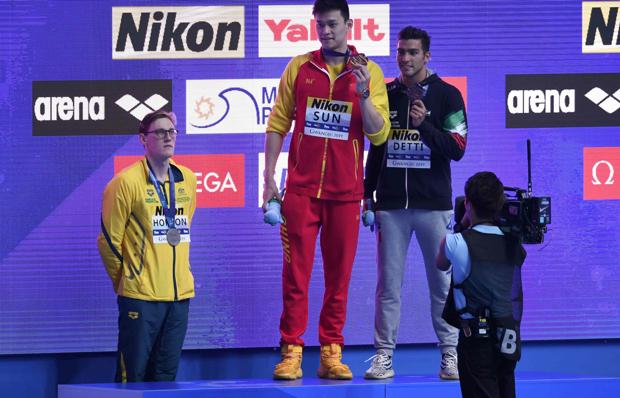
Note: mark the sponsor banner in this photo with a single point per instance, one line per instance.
(600, 179)
(289, 30)
(566, 100)
(178, 32)
(92, 107)
(600, 26)
(220, 177)
(229, 106)
(280, 175)
(233, 106)
(460, 82)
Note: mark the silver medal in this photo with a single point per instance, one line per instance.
(173, 236)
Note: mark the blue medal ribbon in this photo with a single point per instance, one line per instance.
(331, 53)
(169, 211)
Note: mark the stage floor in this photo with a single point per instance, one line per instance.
(529, 385)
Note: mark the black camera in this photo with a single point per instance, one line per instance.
(523, 216)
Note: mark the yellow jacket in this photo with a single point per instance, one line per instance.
(140, 264)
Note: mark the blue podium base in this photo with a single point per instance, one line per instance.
(530, 385)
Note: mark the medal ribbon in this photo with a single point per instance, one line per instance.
(169, 211)
(331, 53)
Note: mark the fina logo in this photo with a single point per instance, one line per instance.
(229, 106)
(610, 178)
(205, 108)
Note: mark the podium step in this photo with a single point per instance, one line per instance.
(530, 385)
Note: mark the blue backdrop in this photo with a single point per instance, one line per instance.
(58, 153)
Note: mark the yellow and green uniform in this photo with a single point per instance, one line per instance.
(152, 278)
(140, 265)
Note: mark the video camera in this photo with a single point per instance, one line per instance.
(523, 216)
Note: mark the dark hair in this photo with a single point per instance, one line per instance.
(413, 33)
(321, 6)
(146, 122)
(485, 192)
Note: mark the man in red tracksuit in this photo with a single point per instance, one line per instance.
(335, 98)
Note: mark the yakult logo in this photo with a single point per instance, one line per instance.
(599, 173)
(289, 30)
(220, 179)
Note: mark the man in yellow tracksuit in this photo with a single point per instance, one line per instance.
(144, 244)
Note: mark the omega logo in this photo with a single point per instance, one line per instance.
(610, 178)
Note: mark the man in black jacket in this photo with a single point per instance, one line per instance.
(486, 301)
(408, 182)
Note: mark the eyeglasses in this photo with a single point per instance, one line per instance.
(161, 133)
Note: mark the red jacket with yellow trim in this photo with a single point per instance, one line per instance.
(326, 168)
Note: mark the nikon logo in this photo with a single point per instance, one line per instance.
(541, 101)
(600, 26)
(67, 108)
(177, 32)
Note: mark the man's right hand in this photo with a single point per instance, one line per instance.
(270, 190)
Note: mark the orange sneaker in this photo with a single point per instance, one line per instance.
(289, 367)
(331, 366)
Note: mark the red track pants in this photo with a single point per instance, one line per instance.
(339, 225)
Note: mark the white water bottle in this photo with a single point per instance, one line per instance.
(273, 216)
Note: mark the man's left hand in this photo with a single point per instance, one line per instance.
(362, 76)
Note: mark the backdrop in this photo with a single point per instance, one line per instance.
(76, 76)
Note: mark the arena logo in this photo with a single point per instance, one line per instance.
(229, 106)
(67, 108)
(541, 101)
(94, 107)
(289, 30)
(563, 100)
(220, 178)
(139, 109)
(608, 102)
(178, 32)
(600, 27)
(600, 168)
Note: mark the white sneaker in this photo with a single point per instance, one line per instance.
(449, 368)
(381, 367)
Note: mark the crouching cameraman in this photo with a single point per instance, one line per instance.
(485, 300)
